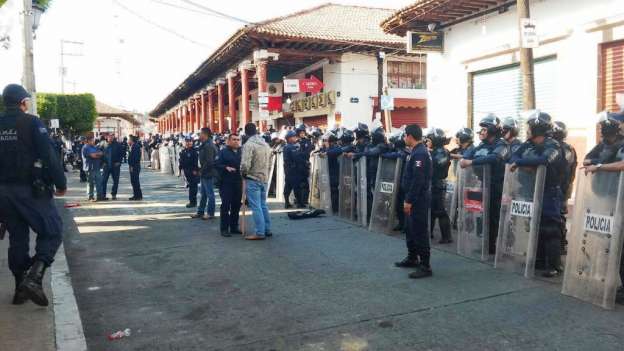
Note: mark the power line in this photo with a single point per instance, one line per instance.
(147, 20)
(216, 12)
(175, 6)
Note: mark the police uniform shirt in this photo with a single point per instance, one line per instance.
(417, 176)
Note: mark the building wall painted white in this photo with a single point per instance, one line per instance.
(574, 26)
(12, 47)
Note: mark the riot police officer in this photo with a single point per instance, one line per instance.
(465, 143)
(542, 150)
(399, 151)
(441, 161)
(332, 151)
(510, 134)
(189, 166)
(560, 133)
(492, 151)
(306, 146)
(29, 171)
(345, 140)
(294, 170)
(372, 151)
(612, 140)
(417, 182)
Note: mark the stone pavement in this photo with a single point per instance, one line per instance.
(318, 284)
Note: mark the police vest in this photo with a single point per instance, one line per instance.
(17, 151)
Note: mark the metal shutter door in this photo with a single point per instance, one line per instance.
(612, 73)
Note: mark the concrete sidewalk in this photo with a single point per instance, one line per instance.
(33, 328)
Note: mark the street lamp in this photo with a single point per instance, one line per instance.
(37, 11)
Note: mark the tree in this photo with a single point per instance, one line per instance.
(76, 113)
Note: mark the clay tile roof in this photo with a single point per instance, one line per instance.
(332, 22)
(110, 111)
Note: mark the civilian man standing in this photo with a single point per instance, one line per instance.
(93, 165)
(189, 166)
(255, 165)
(207, 156)
(228, 164)
(417, 180)
(113, 154)
(29, 171)
(134, 165)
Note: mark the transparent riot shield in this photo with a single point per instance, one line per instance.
(361, 192)
(315, 191)
(452, 196)
(280, 177)
(473, 220)
(383, 212)
(346, 197)
(520, 214)
(325, 186)
(595, 240)
(175, 159)
(155, 159)
(271, 173)
(165, 166)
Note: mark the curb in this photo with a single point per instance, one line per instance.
(67, 323)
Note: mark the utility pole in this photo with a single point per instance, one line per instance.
(28, 78)
(526, 60)
(63, 69)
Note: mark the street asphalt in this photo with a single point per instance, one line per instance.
(318, 284)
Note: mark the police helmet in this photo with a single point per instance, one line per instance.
(290, 134)
(396, 138)
(300, 128)
(437, 136)
(610, 123)
(540, 124)
(361, 131)
(329, 136)
(510, 124)
(14, 94)
(492, 123)
(315, 132)
(465, 135)
(346, 136)
(559, 131)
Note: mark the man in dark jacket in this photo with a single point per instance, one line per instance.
(228, 164)
(29, 171)
(134, 165)
(332, 151)
(113, 154)
(207, 159)
(417, 182)
(189, 166)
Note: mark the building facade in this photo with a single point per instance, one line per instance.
(339, 50)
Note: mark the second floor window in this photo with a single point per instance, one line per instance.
(407, 75)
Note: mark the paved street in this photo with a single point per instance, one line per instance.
(319, 284)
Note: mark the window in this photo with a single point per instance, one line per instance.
(407, 75)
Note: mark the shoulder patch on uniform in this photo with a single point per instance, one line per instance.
(417, 163)
(43, 130)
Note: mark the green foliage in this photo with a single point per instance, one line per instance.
(2, 2)
(76, 113)
(44, 4)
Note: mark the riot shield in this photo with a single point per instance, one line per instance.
(165, 165)
(315, 192)
(595, 240)
(175, 159)
(280, 177)
(473, 221)
(383, 212)
(346, 197)
(271, 173)
(155, 159)
(320, 196)
(520, 214)
(361, 193)
(451, 196)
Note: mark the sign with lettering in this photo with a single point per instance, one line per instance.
(386, 187)
(599, 224)
(521, 208)
(311, 103)
(528, 33)
(54, 123)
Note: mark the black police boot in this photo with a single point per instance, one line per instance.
(411, 261)
(235, 231)
(268, 234)
(19, 298)
(398, 228)
(225, 233)
(32, 284)
(421, 272)
(552, 273)
(445, 230)
(191, 205)
(287, 204)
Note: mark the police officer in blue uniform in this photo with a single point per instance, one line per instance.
(493, 151)
(542, 150)
(510, 134)
(417, 182)
(372, 151)
(612, 140)
(294, 170)
(306, 146)
(29, 171)
(465, 143)
(332, 151)
(113, 155)
(560, 133)
(189, 166)
(134, 166)
(345, 140)
(399, 151)
(441, 161)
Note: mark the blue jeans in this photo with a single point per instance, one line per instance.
(207, 196)
(113, 171)
(256, 197)
(94, 187)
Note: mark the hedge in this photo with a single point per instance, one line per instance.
(76, 113)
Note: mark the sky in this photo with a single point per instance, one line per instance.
(135, 62)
